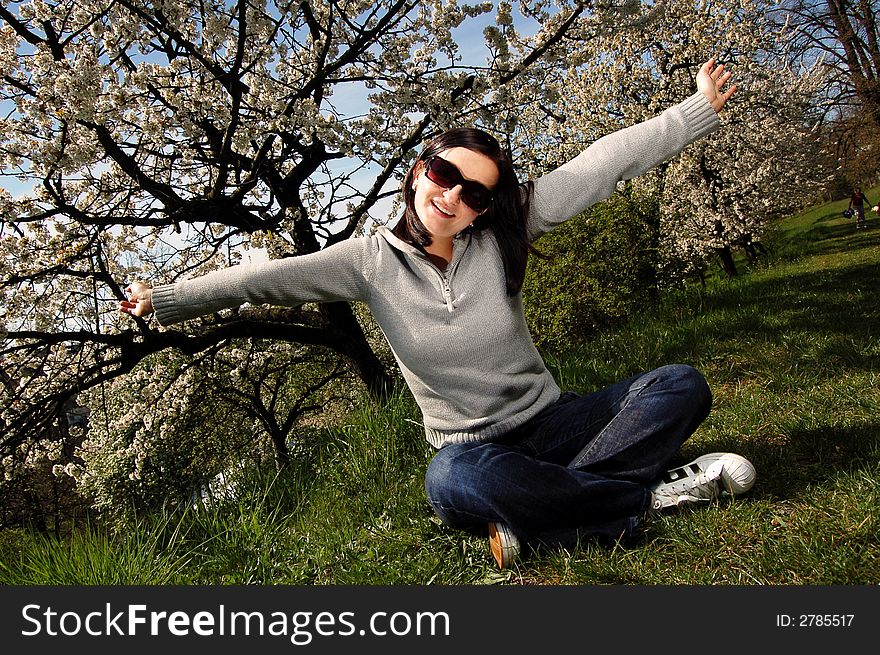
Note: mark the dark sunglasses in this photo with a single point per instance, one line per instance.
(445, 174)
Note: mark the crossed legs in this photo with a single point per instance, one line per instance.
(581, 467)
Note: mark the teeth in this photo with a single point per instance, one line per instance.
(442, 211)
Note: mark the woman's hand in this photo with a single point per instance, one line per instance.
(710, 82)
(140, 300)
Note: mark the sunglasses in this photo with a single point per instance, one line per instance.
(445, 174)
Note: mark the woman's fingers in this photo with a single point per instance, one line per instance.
(139, 300)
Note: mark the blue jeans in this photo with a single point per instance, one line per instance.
(580, 468)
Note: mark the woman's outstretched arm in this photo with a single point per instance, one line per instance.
(593, 175)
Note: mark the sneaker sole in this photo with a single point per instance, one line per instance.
(499, 542)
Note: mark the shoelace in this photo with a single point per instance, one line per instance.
(703, 486)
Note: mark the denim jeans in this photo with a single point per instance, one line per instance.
(580, 468)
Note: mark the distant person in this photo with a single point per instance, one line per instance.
(857, 204)
(517, 458)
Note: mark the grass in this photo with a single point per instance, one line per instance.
(791, 351)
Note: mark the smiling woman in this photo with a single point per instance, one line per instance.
(460, 181)
(517, 458)
(447, 202)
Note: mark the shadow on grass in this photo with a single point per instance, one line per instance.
(825, 318)
(828, 239)
(830, 233)
(814, 456)
(829, 216)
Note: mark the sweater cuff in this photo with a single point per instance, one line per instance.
(700, 115)
(165, 305)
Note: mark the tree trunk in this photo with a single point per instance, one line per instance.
(351, 342)
(861, 56)
(282, 452)
(726, 257)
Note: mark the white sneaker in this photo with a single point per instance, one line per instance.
(504, 544)
(706, 478)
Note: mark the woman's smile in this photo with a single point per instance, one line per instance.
(444, 213)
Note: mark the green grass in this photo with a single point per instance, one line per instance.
(791, 351)
(152, 551)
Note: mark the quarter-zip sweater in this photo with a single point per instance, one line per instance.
(461, 342)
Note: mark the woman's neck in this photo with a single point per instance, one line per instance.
(440, 253)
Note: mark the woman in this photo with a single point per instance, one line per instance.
(857, 203)
(517, 458)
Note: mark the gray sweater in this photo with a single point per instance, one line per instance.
(461, 342)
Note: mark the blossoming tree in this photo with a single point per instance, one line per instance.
(157, 140)
(718, 195)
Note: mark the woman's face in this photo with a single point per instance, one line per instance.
(442, 210)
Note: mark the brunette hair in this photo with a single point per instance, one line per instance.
(506, 216)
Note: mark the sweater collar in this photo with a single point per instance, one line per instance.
(461, 242)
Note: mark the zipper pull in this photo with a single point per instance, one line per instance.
(447, 294)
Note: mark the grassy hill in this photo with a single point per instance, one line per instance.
(792, 353)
